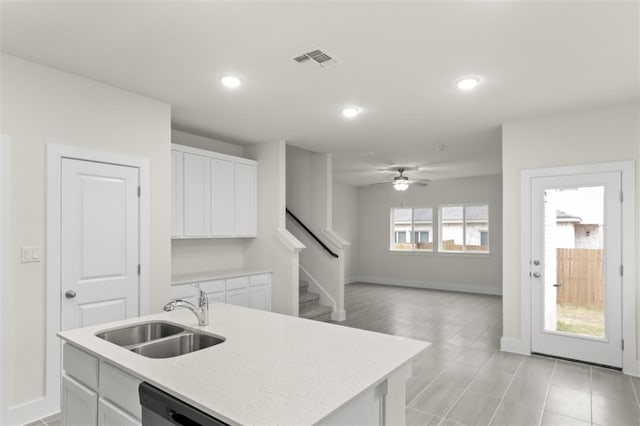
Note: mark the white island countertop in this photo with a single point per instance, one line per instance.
(272, 369)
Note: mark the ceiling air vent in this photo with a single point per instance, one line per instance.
(318, 56)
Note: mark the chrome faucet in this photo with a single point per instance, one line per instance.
(201, 311)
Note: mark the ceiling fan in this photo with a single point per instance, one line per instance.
(402, 182)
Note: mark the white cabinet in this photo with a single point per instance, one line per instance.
(79, 403)
(97, 393)
(251, 290)
(223, 195)
(176, 194)
(246, 200)
(112, 415)
(215, 194)
(196, 195)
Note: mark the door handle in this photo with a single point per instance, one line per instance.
(557, 285)
(70, 294)
(536, 274)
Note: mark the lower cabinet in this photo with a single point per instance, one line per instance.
(112, 415)
(95, 392)
(79, 403)
(251, 291)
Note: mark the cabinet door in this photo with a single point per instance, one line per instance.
(222, 198)
(112, 415)
(79, 403)
(196, 195)
(246, 200)
(239, 296)
(260, 297)
(176, 194)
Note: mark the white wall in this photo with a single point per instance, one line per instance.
(460, 272)
(40, 105)
(593, 136)
(267, 249)
(307, 187)
(208, 254)
(345, 223)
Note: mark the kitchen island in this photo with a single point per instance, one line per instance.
(272, 369)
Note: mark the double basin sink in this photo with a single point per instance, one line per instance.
(159, 339)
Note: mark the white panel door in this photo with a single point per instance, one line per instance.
(196, 195)
(575, 260)
(176, 194)
(100, 243)
(246, 200)
(222, 198)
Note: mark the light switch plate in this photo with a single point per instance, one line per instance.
(30, 254)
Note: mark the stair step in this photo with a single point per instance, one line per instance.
(308, 299)
(303, 286)
(318, 313)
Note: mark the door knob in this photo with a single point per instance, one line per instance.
(70, 294)
(536, 262)
(536, 274)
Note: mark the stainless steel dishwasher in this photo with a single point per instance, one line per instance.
(161, 409)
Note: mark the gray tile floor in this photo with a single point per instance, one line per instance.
(463, 378)
(54, 420)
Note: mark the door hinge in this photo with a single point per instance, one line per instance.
(621, 196)
(139, 192)
(623, 344)
(139, 269)
(621, 270)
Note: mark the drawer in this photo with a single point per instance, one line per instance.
(212, 286)
(120, 388)
(239, 282)
(80, 365)
(260, 279)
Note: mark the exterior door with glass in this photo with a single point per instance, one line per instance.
(575, 267)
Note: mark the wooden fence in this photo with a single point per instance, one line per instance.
(581, 273)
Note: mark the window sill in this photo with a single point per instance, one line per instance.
(418, 252)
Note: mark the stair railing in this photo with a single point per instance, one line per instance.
(323, 245)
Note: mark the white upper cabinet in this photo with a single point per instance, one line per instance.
(246, 200)
(223, 196)
(196, 195)
(176, 194)
(214, 195)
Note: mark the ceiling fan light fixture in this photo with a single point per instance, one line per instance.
(400, 185)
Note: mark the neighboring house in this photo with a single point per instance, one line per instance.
(571, 232)
(477, 227)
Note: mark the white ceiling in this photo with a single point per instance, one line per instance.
(398, 61)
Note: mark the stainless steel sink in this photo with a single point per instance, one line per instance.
(158, 339)
(177, 345)
(140, 333)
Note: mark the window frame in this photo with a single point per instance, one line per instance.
(464, 229)
(411, 232)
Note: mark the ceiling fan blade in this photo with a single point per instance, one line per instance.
(419, 182)
(380, 183)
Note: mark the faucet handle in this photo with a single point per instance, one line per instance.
(203, 299)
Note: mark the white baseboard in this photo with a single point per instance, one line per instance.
(339, 315)
(433, 285)
(31, 411)
(516, 346)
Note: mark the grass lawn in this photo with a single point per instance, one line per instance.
(580, 320)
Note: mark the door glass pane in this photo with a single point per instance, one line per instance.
(452, 230)
(574, 261)
(401, 223)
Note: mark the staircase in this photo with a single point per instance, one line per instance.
(310, 307)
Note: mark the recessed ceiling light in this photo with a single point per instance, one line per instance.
(467, 83)
(351, 111)
(231, 81)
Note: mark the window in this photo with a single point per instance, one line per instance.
(412, 229)
(464, 228)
